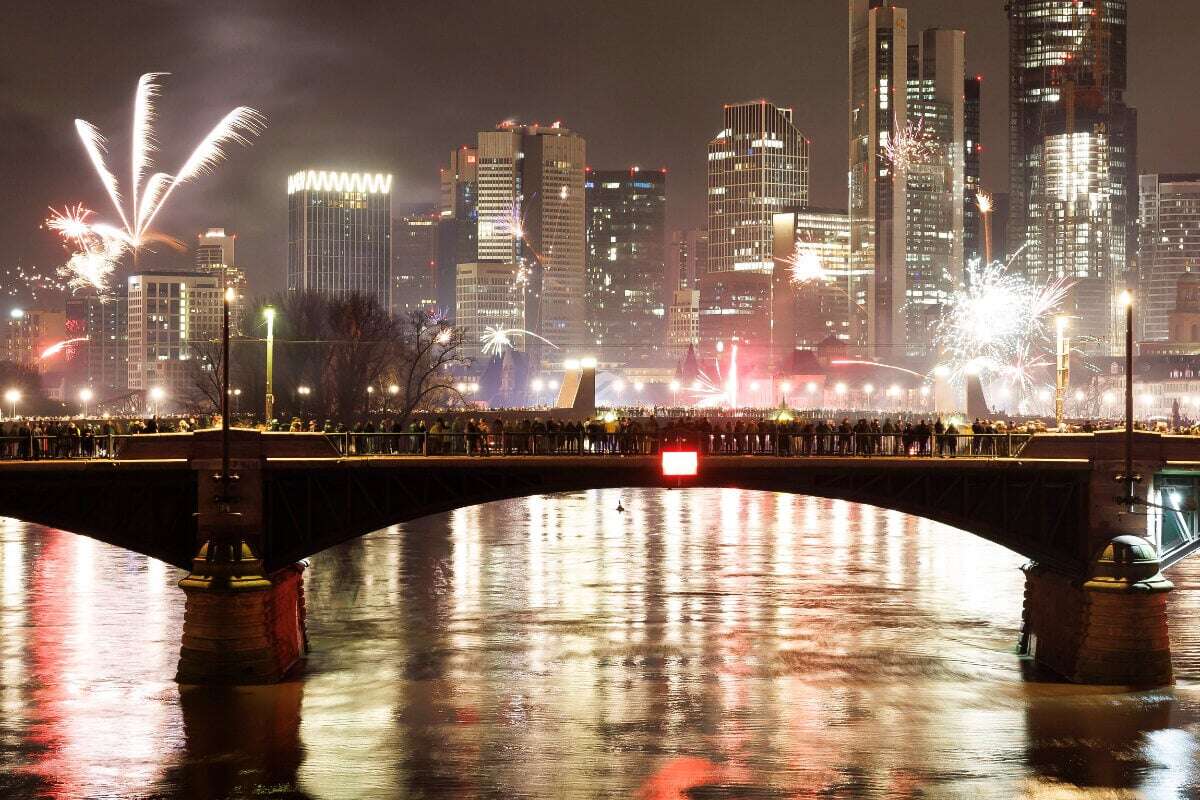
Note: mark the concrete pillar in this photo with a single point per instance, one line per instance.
(1110, 628)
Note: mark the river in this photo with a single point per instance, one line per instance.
(704, 643)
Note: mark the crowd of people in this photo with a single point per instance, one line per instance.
(630, 433)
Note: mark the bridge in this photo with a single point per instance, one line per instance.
(1095, 600)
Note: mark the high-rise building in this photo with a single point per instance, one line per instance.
(757, 166)
(1168, 246)
(414, 262)
(488, 296)
(1072, 156)
(687, 257)
(102, 360)
(458, 225)
(935, 187)
(972, 156)
(683, 321)
(626, 260)
(877, 207)
(812, 257)
(27, 332)
(174, 323)
(215, 256)
(339, 233)
(531, 215)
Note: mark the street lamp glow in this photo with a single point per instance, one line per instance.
(893, 390)
(552, 385)
(1107, 397)
(1079, 396)
(587, 363)
(811, 387)
(85, 395)
(619, 385)
(674, 386)
(786, 386)
(537, 384)
(1061, 323)
(695, 386)
(393, 390)
(924, 391)
(1126, 299)
(157, 393)
(17, 313)
(1044, 395)
(230, 295)
(571, 364)
(754, 386)
(840, 388)
(638, 386)
(473, 387)
(269, 313)
(303, 391)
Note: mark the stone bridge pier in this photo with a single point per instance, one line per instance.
(1107, 622)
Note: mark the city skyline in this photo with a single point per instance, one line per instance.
(311, 123)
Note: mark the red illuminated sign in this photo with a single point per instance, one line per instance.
(679, 463)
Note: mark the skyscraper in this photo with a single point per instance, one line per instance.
(531, 215)
(1169, 246)
(102, 361)
(757, 165)
(687, 257)
(935, 187)
(626, 260)
(414, 262)
(878, 110)
(215, 256)
(458, 224)
(1072, 155)
(972, 155)
(339, 233)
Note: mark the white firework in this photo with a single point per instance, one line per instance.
(496, 339)
(910, 146)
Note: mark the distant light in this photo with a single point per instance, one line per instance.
(85, 395)
(157, 393)
(696, 386)
(474, 387)
(393, 389)
(1044, 395)
(17, 313)
(618, 385)
(638, 386)
(12, 395)
(680, 463)
(1107, 397)
(840, 388)
(587, 363)
(674, 386)
(786, 386)
(1079, 396)
(924, 391)
(811, 387)
(230, 295)
(941, 370)
(1126, 298)
(537, 384)
(269, 313)
(754, 386)
(868, 388)
(304, 390)
(720, 347)
(553, 385)
(571, 364)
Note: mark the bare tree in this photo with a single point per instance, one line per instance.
(427, 350)
(364, 341)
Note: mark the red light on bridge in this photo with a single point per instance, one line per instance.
(679, 463)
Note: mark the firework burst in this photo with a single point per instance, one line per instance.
(96, 249)
(804, 266)
(148, 190)
(913, 145)
(999, 326)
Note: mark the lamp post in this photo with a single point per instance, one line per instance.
(12, 397)
(537, 391)
(85, 397)
(269, 400)
(226, 299)
(304, 392)
(157, 394)
(1127, 301)
(674, 394)
(867, 391)
(1063, 369)
(394, 391)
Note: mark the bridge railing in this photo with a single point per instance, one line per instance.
(36, 447)
(572, 443)
(998, 445)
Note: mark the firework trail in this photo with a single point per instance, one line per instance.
(496, 339)
(96, 250)
(913, 145)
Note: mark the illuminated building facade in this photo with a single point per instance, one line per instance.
(102, 361)
(972, 155)
(530, 206)
(339, 234)
(458, 224)
(1072, 156)
(414, 262)
(878, 109)
(486, 297)
(683, 321)
(934, 187)
(812, 251)
(1168, 248)
(215, 255)
(174, 323)
(626, 259)
(687, 258)
(757, 166)
(27, 332)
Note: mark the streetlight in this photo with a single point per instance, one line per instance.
(269, 402)
(157, 394)
(370, 394)
(618, 386)
(1127, 301)
(784, 388)
(237, 393)
(537, 386)
(85, 397)
(675, 393)
(12, 397)
(1063, 370)
(867, 389)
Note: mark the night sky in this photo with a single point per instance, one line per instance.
(393, 86)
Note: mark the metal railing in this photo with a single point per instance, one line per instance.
(838, 443)
(573, 443)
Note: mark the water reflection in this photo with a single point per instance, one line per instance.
(702, 643)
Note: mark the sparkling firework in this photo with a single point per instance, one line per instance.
(97, 250)
(149, 192)
(496, 339)
(999, 326)
(805, 266)
(913, 145)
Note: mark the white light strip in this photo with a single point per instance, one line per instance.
(322, 181)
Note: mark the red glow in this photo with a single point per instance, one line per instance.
(680, 463)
